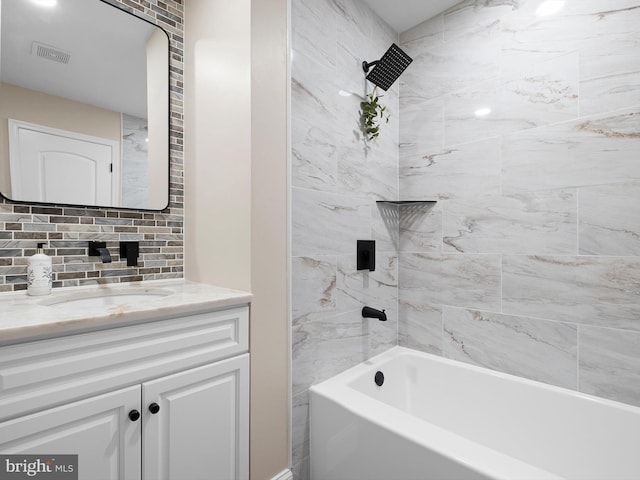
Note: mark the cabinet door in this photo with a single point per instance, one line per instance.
(201, 430)
(97, 429)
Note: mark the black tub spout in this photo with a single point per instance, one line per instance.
(368, 312)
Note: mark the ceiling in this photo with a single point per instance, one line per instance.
(107, 52)
(404, 14)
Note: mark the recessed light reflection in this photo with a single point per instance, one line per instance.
(482, 112)
(45, 3)
(342, 93)
(549, 7)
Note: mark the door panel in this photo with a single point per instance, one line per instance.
(201, 430)
(97, 429)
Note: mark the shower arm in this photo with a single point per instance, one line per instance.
(367, 65)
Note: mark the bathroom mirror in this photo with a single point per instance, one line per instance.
(84, 105)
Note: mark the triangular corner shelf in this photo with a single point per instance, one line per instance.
(407, 202)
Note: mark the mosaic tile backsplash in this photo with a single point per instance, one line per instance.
(66, 230)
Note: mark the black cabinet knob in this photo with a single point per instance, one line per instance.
(134, 415)
(154, 408)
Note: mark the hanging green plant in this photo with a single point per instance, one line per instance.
(371, 113)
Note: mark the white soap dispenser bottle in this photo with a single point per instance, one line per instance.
(39, 273)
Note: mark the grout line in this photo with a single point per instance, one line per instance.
(577, 222)
(578, 357)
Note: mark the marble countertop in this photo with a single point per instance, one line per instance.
(26, 318)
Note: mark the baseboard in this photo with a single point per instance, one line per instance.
(284, 475)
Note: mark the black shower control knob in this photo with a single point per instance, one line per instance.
(134, 415)
(154, 408)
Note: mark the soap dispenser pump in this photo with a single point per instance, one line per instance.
(39, 273)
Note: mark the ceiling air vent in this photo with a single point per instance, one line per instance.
(52, 53)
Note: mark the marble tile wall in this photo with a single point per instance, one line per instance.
(68, 229)
(336, 179)
(530, 261)
(135, 165)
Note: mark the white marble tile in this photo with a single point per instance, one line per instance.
(461, 171)
(420, 228)
(613, 32)
(383, 34)
(368, 172)
(420, 327)
(135, 162)
(314, 127)
(540, 95)
(302, 470)
(590, 151)
(461, 124)
(610, 66)
(314, 290)
(421, 127)
(468, 280)
(537, 349)
(379, 336)
(341, 177)
(580, 25)
(471, 16)
(361, 28)
(328, 224)
(424, 35)
(299, 427)
(529, 38)
(314, 30)
(354, 20)
(532, 222)
(313, 151)
(601, 291)
(609, 221)
(350, 78)
(453, 65)
(610, 92)
(324, 347)
(610, 364)
(316, 80)
(377, 289)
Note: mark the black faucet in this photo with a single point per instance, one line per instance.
(99, 249)
(368, 312)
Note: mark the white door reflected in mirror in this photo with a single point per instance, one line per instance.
(57, 166)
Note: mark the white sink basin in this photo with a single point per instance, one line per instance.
(108, 298)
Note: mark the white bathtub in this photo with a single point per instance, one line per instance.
(435, 418)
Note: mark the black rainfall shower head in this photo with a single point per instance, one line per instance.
(387, 70)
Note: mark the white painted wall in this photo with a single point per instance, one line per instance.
(236, 232)
(218, 142)
(269, 340)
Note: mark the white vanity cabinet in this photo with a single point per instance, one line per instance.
(167, 399)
